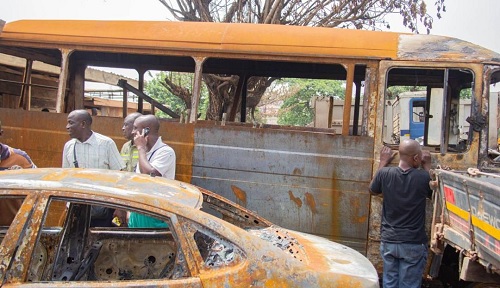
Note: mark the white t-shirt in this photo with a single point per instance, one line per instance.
(162, 158)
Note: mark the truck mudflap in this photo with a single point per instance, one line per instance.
(466, 217)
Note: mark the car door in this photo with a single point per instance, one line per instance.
(19, 216)
(219, 261)
(71, 252)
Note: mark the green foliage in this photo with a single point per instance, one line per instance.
(466, 93)
(160, 93)
(367, 15)
(394, 91)
(157, 90)
(297, 109)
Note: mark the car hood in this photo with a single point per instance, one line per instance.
(333, 262)
(349, 266)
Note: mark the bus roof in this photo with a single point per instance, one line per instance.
(234, 39)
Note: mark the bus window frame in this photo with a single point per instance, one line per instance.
(492, 130)
(477, 73)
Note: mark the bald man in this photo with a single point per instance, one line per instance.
(404, 188)
(155, 158)
(89, 149)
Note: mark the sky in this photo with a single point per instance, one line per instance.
(472, 21)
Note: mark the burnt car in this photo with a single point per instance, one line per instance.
(208, 241)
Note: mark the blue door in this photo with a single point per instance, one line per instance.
(417, 117)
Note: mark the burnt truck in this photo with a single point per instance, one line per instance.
(309, 179)
(466, 221)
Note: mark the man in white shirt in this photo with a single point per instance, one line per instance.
(155, 158)
(89, 149)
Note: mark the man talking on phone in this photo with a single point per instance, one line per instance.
(155, 158)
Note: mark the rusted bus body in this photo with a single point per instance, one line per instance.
(293, 177)
(306, 179)
(290, 177)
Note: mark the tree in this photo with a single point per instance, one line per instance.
(394, 91)
(297, 109)
(172, 90)
(357, 14)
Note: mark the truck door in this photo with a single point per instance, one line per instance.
(417, 118)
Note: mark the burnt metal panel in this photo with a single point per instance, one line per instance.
(42, 135)
(434, 47)
(311, 182)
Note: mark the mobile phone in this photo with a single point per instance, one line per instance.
(145, 131)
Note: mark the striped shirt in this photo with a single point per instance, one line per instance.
(98, 151)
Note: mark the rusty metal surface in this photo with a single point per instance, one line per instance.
(432, 47)
(345, 260)
(226, 256)
(330, 264)
(117, 261)
(209, 38)
(42, 135)
(306, 181)
(311, 182)
(472, 208)
(230, 40)
(106, 184)
(13, 236)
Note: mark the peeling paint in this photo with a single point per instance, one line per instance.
(240, 195)
(310, 202)
(297, 171)
(359, 213)
(294, 199)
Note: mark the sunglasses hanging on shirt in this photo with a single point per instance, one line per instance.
(75, 162)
